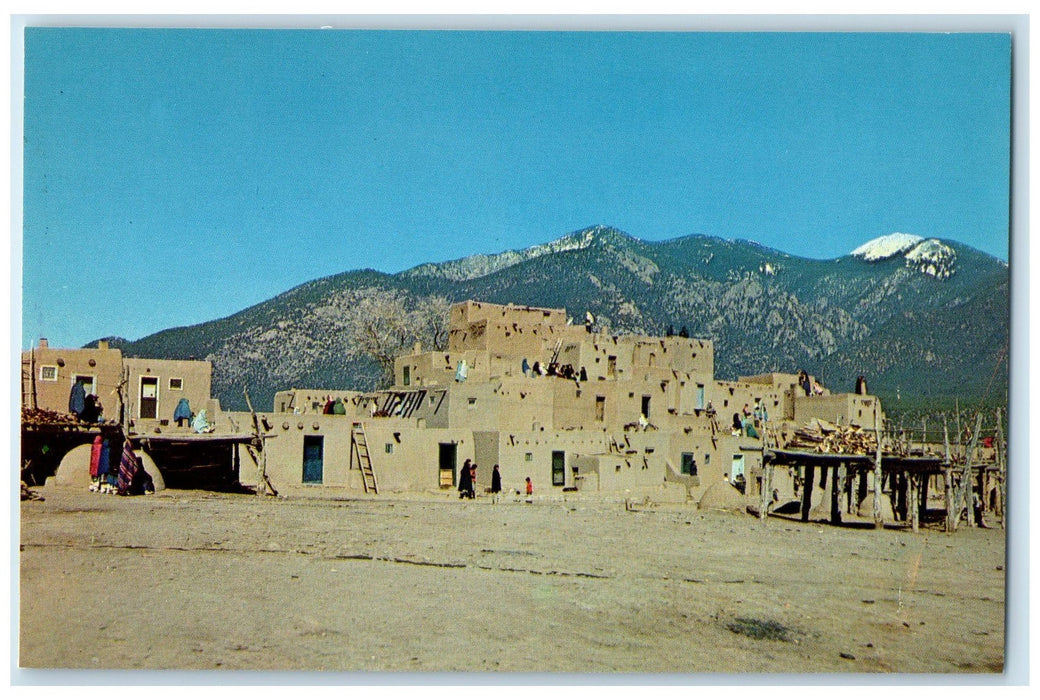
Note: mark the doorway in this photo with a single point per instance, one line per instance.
(150, 397)
(313, 459)
(559, 476)
(446, 460)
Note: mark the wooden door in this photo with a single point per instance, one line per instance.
(150, 397)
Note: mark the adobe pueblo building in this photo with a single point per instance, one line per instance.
(572, 409)
(135, 398)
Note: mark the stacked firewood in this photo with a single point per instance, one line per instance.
(30, 495)
(822, 436)
(42, 416)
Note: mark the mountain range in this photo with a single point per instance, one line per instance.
(923, 319)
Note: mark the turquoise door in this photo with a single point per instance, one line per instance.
(313, 459)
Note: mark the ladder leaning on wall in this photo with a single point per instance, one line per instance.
(359, 443)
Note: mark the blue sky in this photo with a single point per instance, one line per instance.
(176, 176)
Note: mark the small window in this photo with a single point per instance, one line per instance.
(707, 458)
(389, 448)
(528, 457)
(407, 375)
(49, 373)
(472, 401)
(176, 384)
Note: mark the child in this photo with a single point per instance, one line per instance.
(530, 489)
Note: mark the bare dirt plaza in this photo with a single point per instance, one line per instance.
(201, 580)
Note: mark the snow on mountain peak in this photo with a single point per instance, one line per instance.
(933, 257)
(930, 257)
(887, 246)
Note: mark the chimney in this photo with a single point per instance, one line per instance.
(102, 345)
(43, 343)
(417, 350)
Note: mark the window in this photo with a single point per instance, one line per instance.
(707, 458)
(645, 408)
(176, 384)
(89, 385)
(49, 373)
(601, 403)
(389, 448)
(689, 465)
(528, 457)
(472, 401)
(407, 375)
(611, 365)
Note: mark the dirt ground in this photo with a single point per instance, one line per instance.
(199, 580)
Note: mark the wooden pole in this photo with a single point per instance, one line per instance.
(914, 502)
(1002, 473)
(32, 375)
(263, 484)
(967, 482)
(807, 487)
(877, 470)
(901, 492)
(948, 480)
(957, 404)
(922, 495)
(767, 488)
(837, 492)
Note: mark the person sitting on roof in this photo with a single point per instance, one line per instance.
(201, 425)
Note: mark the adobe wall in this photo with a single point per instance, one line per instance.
(471, 311)
(307, 401)
(195, 379)
(517, 404)
(844, 409)
(53, 385)
(410, 463)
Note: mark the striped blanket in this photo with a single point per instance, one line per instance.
(127, 469)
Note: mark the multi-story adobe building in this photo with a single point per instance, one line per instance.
(141, 392)
(573, 409)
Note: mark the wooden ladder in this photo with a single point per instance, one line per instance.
(360, 445)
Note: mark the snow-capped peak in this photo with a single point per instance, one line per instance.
(887, 246)
(931, 257)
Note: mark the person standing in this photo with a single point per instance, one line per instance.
(465, 480)
(473, 480)
(496, 484)
(530, 489)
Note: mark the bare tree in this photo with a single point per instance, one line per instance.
(389, 323)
